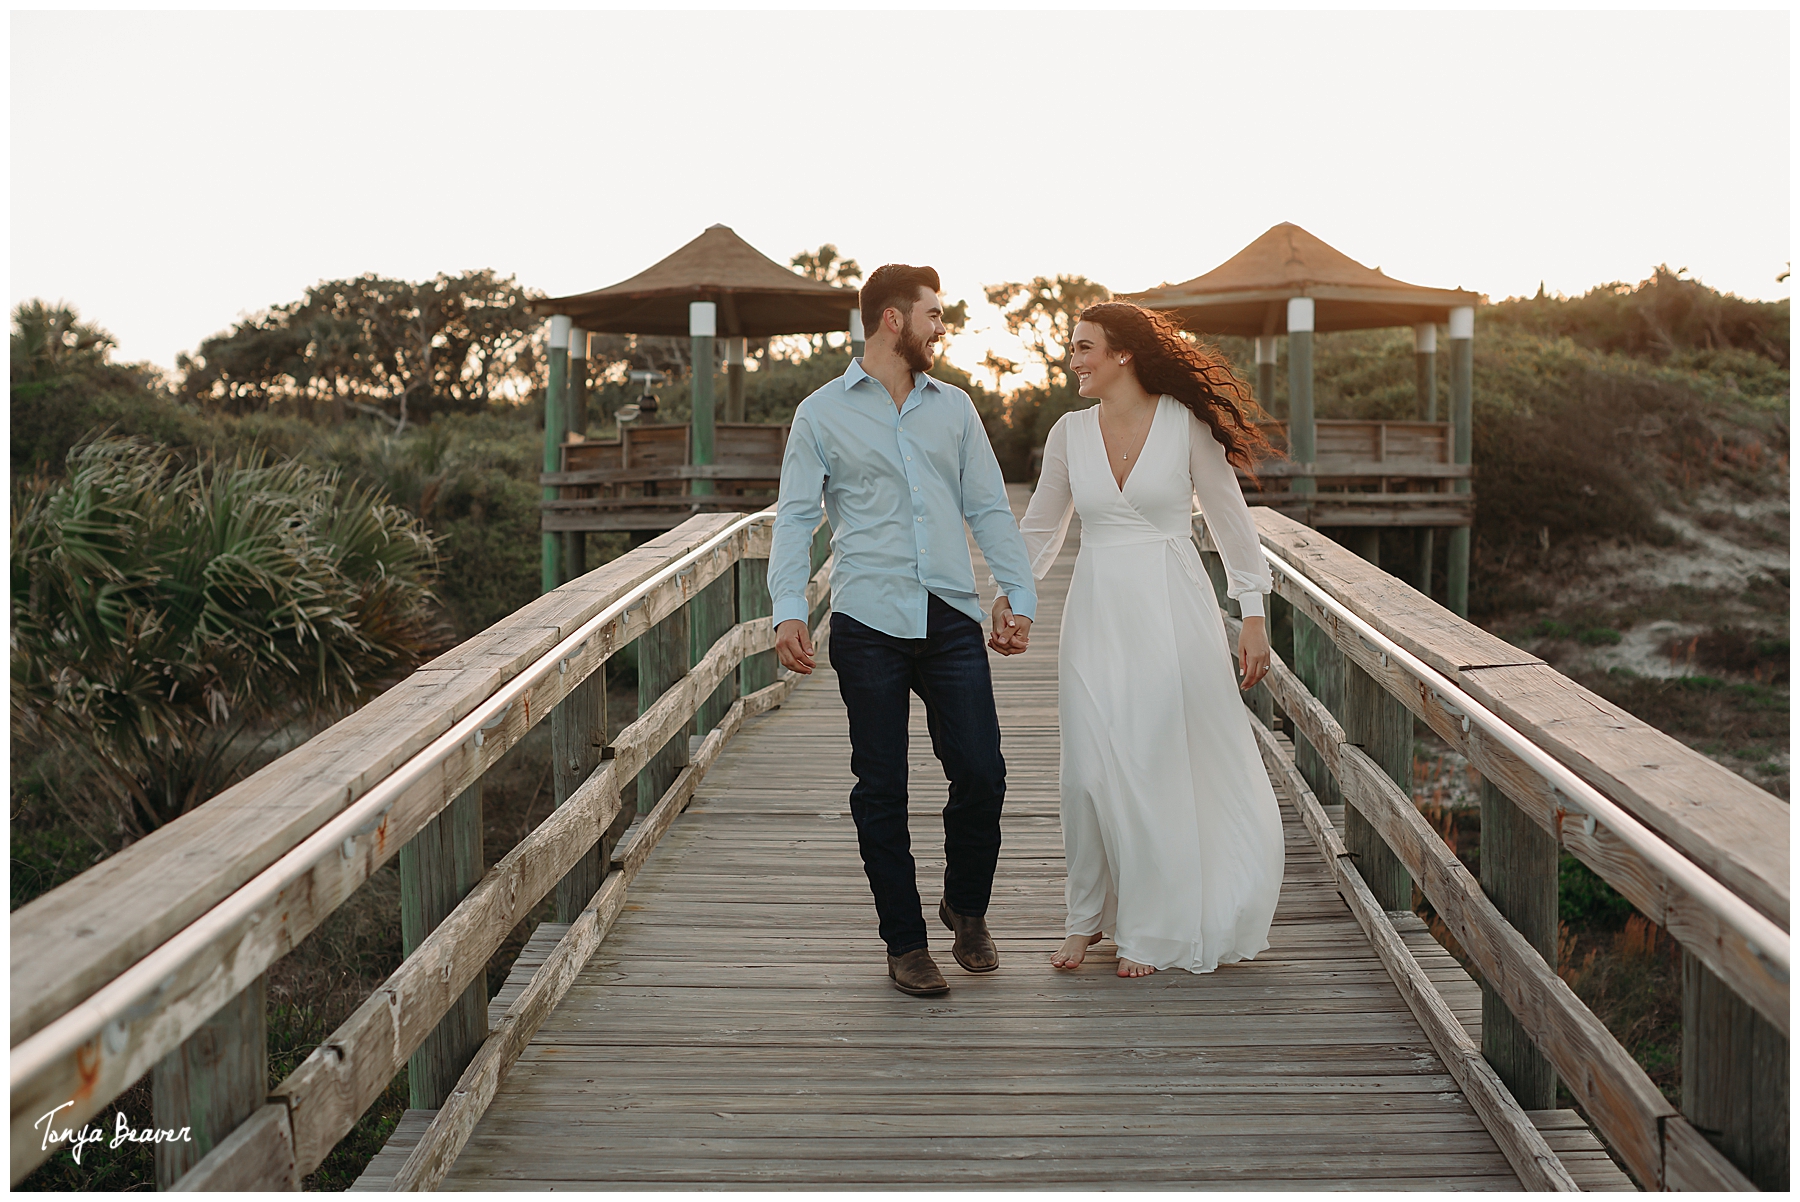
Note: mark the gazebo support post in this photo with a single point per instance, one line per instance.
(553, 429)
(1265, 372)
(703, 319)
(856, 334)
(1425, 376)
(734, 379)
(1302, 440)
(1462, 387)
(574, 542)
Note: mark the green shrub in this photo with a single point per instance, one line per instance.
(1598, 636)
(161, 611)
(1584, 899)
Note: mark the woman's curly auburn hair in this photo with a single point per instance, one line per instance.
(1194, 374)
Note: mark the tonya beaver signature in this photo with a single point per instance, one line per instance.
(123, 1133)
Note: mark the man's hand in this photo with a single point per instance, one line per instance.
(1012, 633)
(793, 646)
(1253, 651)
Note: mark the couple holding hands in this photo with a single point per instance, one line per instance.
(1170, 827)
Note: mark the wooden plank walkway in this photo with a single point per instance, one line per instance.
(737, 1029)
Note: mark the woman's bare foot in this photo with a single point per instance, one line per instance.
(1131, 968)
(1073, 950)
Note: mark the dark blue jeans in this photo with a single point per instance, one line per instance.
(948, 669)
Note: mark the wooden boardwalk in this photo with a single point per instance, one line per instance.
(737, 1029)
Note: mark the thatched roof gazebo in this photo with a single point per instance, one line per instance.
(717, 284)
(1290, 283)
(755, 296)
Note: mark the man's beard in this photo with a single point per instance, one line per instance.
(915, 352)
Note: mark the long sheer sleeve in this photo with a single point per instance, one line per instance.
(1227, 518)
(1046, 521)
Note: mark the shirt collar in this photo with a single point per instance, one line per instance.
(854, 375)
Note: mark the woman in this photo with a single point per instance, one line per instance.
(1170, 827)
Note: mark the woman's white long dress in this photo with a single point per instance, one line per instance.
(1170, 827)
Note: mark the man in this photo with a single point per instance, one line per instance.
(902, 462)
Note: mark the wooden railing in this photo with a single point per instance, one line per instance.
(1697, 849)
(155, 958)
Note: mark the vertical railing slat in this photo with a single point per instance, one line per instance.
(1519, 874)
(1383, 728)
(714, 612)
(1734, 1076)
(662, 660)
(438, 867)
(577, 743)
(215, 1080)
(753, 601)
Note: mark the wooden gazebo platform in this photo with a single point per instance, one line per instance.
(656, 475)
(1355, 474)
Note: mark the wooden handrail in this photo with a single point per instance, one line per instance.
(1444, 670)
(670, 471)
(1441, 640)
(112, 1028)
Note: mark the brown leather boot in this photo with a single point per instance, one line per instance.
(917, 974)
(974, 948)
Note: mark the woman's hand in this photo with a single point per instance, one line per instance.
(1012, 634)
(1253, 652)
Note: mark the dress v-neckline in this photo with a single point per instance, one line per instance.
(1106, 455)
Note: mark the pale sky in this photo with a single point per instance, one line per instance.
(174, 172)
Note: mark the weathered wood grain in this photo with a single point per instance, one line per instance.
(1611, 1087)
(1537, 1166)
(161, 1000)
(1718, 945)
(258, 1155)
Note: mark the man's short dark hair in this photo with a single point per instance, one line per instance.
(893, 286)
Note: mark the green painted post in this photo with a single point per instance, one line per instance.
(215, 1080)
(702, 324)
(1734, 1076)
(1382, 726)
(577, 737)
(1265, 373)
(1302, 433)
(438, 867)
(1425, 384)
(1462, 388)
(553, 428)
(1320, 666)
(1519, 870)
(753, 601)
(856, 334)
(734, 379)
(714, 610)
(574, 542)
(662, 660)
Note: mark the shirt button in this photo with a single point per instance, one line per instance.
(915, 488)
(921, 519)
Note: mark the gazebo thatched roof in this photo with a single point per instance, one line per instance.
(1248, 293)
(757, 297)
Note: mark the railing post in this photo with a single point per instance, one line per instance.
(753, 601)
(1425, 384)
(1383, 727)
(1734, 1076)
(662, 660)
(714, 614)
(1320, 666)
(577, 744)
(1462, 376)
(215, 1080)
(1519, 862)
(438, 867)
(574, 414)
(551, 574)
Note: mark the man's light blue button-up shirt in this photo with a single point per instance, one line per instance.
(897, 486)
